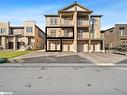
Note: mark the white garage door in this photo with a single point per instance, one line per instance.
(86, 48)
(97, 47)
(52, 46)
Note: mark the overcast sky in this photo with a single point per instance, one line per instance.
(18, 11)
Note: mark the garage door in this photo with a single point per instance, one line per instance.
(97, 47)
(52, 46)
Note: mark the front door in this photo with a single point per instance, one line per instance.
(10, 45)
(18, 45)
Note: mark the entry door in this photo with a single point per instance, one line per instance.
(10, 45)
(18, 45)
(66, 47)
(80, 48)
(94, 47)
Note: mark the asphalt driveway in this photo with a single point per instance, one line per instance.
(70, 57)
(51, 57)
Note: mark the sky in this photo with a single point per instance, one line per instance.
(18, 11)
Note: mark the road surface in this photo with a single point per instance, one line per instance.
(64, 80)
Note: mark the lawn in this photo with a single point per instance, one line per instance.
(12, 54)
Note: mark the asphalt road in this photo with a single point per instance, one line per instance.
(64, 80)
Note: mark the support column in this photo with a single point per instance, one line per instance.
(103, 46)
(3, 42)
(75, 30)
(89, 45)
(15, 43)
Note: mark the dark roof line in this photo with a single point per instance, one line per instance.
(17, 27)
(40, 29)
(109, 29)
(96, 15)
(51, 15)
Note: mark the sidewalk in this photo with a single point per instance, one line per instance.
(62, 65)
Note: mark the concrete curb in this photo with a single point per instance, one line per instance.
(62, 65)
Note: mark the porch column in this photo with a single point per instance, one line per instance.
(89, 45)
(75, 30)
(3, 42)
(15, 43)
(103, 46)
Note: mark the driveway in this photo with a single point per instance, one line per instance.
(70, 57)
(51, 57)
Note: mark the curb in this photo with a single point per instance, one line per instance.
(62, 65)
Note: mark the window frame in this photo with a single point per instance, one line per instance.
(53, 21)
(28, 29)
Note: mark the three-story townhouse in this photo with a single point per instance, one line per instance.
(74, 29)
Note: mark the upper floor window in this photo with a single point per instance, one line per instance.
(81, 31)
(94, 21)
(67, 21)
(29, 29)
(122, 31)
(53, 21)
(3, 30)
(66, 33)
(53, 33)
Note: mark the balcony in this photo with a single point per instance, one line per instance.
(96, 36)
(84, 35)
(66, 33)
(83, 23)
(70, 34)
(66, 22)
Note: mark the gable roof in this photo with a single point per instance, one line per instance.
(72, 5)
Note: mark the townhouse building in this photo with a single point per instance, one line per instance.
(75, 29)
(28, 36)
(115, 36)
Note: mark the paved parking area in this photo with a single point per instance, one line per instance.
(99, 58)
(71, 57)
(51, 57)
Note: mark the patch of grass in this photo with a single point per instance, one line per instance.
(12, 54)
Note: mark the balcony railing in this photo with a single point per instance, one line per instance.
(96, 36)
(83, 36)
(82, 23)
(66, 23)
(70, 34)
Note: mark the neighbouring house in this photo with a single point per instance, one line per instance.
(75, 29)
(28, 36)
(115, 36)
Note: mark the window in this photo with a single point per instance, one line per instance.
(123, 42)
(53, 21)
(67, 21)
(3, 30)
(66, 33)
(81, 31)
(122, 31)
(94, 21)
(53, 33)
(80, 21)
(29, 29)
